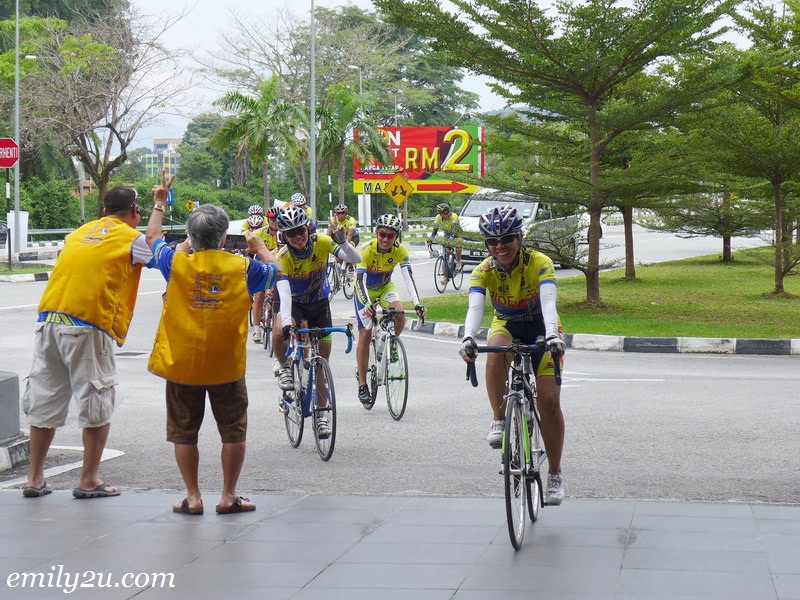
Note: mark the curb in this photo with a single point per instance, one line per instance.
(611, 343)
(26, 277)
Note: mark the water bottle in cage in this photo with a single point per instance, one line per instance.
(380, 343)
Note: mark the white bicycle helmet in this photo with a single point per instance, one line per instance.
(499, 221)
(291, 218)
(298, 199)
(390, 221)
(256, 209)
(340, 208)
(255, 221)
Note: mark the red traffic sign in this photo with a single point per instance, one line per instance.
(9, 153)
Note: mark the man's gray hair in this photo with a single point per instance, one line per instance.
(206, 226)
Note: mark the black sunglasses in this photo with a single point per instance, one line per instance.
(296, 232)
(504, 239)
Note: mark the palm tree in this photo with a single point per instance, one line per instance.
(262, 125)
(342, 114)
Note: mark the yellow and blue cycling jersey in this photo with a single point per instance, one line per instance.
(308, 276)
(514, 295)
(449, 225)
(377, 267)
(348, 223)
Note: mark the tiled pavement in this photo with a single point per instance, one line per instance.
(387, 548)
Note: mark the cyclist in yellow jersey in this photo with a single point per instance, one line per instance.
(298, 200)
(451, 227)
(522, 286)
(303, 288)
(374, 283)
(255, 225)
(341, 219)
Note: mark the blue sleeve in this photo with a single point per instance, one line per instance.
(163, 254)
(260, 276)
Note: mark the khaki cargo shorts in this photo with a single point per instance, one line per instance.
(70, 361)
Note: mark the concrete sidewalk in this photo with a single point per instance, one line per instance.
(356, 547)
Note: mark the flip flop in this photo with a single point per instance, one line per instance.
(236, 507)
(101, 491)
(34, 492)
(183, 507)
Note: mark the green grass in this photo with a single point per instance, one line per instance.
(698, 297)
(19, 269)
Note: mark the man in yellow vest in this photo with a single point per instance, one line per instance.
(200, 345)
(86, 307)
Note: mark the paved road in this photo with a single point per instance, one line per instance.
(639, 426)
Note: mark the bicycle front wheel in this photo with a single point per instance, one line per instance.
(458, 278)
(440, 275)
(372, 375)
(396, 378)
(266, 326)
(324, 407)
(293, 409)
(349, 281)
(514, 470)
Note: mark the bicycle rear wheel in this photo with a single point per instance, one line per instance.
(349, 281)
(458, 278)
(538, 457)
(372, 375)
(440, 275)
(323, 394)
(514, 471)
(396, 378)
(333, 278)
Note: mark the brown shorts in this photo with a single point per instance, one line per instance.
(186, 406)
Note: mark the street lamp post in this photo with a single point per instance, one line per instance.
(312, 134)
(360, 81)
(16, 232)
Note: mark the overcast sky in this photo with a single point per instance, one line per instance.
(201, 29)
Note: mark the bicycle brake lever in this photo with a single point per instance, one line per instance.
(472, 376)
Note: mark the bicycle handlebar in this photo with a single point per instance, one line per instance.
(319, 332)
(389, 313)
(540, 347)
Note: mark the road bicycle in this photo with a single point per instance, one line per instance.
(342, 276)
(313, 393)
(388, 364)
(267, 318)
(522, 452)
(444, 270)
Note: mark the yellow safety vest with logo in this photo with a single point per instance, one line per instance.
(94, 280)
(202, 335)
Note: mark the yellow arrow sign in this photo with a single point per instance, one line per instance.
(398, 189)
(189, 205)
(419, 186)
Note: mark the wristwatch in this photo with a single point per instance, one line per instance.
(158, 207)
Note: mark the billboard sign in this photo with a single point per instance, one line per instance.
(427, 157)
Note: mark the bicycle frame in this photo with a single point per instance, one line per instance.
(311, 346)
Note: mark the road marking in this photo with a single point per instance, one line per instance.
(108, 454)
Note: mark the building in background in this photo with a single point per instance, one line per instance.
(164, 157)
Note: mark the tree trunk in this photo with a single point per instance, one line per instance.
(595, 206)
(779, 249)
(342, 175)
(726, 249)
(627, 220)
(102, 189)
(266, 184)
